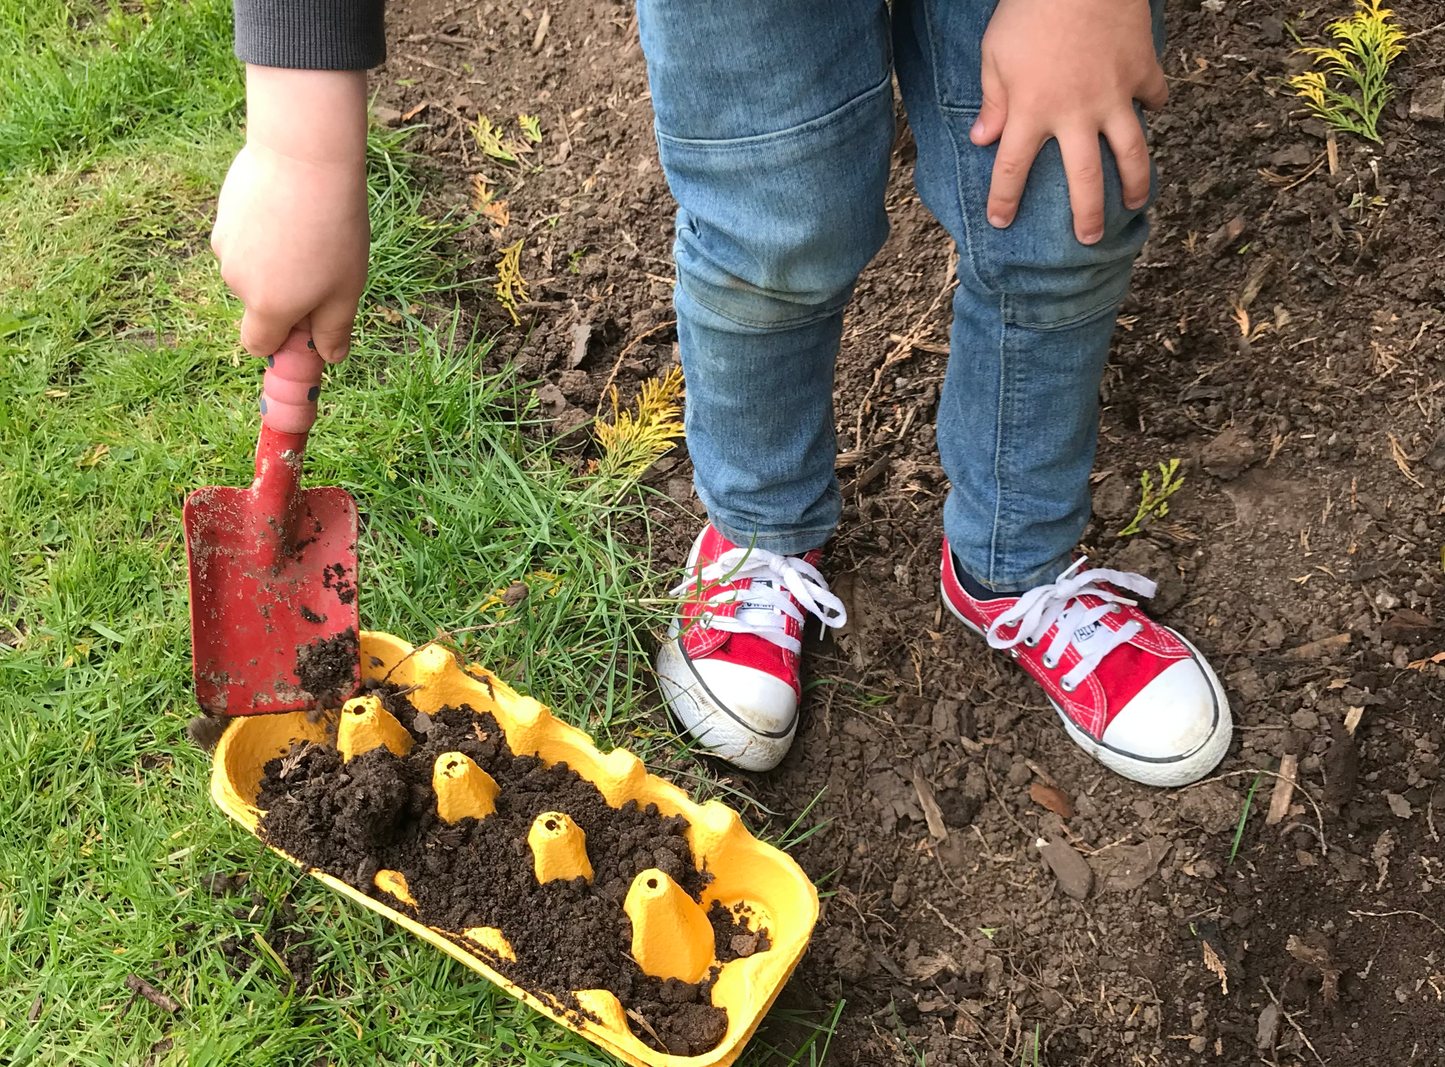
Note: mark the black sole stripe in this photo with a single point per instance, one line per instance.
(712, 697)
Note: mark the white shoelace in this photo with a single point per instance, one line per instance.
(765, 607)
(1078, 623)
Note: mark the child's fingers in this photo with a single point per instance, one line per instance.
(1016, 151)
(1131, 153)
(331, 329)
(992, 116)
(263, 332)
(1084, 167)
(1154, 92)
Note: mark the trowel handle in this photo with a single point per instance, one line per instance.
(291, 385)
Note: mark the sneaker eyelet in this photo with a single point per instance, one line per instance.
(1031, 642)
(1013, 653)
(1048, 663)
(1067, 687)
(1117, 609)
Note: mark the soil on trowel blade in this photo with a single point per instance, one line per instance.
(327, 668)
(379, 812)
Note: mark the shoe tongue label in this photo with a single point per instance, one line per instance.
(757, 612)
(1084, 634)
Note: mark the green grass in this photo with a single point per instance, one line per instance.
(77, 79)
(127, 390)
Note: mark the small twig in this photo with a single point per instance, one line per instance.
(1290, 1019)
(644, 335)
(1319, 815)
(143, 988)
(944, 919)
(1400, 911)
(441, 640)
(542, 24)
(428, 63)
(640, 1021)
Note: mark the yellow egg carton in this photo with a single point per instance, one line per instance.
(671, 934)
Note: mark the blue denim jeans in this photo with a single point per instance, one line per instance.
(774, 122)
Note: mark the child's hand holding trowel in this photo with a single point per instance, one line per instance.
(291, 226)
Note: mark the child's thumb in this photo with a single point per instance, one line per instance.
(331, 331)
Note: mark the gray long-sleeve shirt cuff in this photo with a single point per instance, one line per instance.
(310, 34)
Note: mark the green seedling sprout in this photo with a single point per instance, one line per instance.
(1154, 501)
(1366, 44)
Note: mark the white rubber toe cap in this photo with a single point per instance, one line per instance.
(1175, 730)
(742, 715)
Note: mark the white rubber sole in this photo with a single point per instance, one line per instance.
(1168, 773)
(717, 730)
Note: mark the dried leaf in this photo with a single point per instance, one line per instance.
(511, 286)
(1320, 959)
(481, 193)
(1283, 790)
(497, 213)
(1056, 800)
(581, 338)
(1216, 966)
(932, 814)
(1398, 455)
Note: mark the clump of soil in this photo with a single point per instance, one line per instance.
(328, 667)
(379, 812)
(732, 938)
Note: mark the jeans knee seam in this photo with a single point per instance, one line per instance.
(815, 316)
(802, 129)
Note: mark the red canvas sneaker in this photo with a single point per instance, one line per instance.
(1133, 694)
(729, 670)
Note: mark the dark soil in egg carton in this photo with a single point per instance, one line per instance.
(379, 812)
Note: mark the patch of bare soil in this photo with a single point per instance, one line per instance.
(1283, 340)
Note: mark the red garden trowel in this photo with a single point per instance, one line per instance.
(273, 568)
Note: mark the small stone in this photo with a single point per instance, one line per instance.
(1229, 454)
(744, 945)
(1427, 103)
(1267, 1029)
(1019, 774)
(1296, 155)
(1304, 719)
(1435, 458)
(1399, 806)
(1075, 876)
(1128, 867)
(945, 719)
(1214, 806)
(551, 400)
(1202, 869)
(577, 387)
(1214, 7)
(1271, 30)
(902, 893)
(1198, 1044)
(385, 116)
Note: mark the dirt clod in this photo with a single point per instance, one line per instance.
(329, 667)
